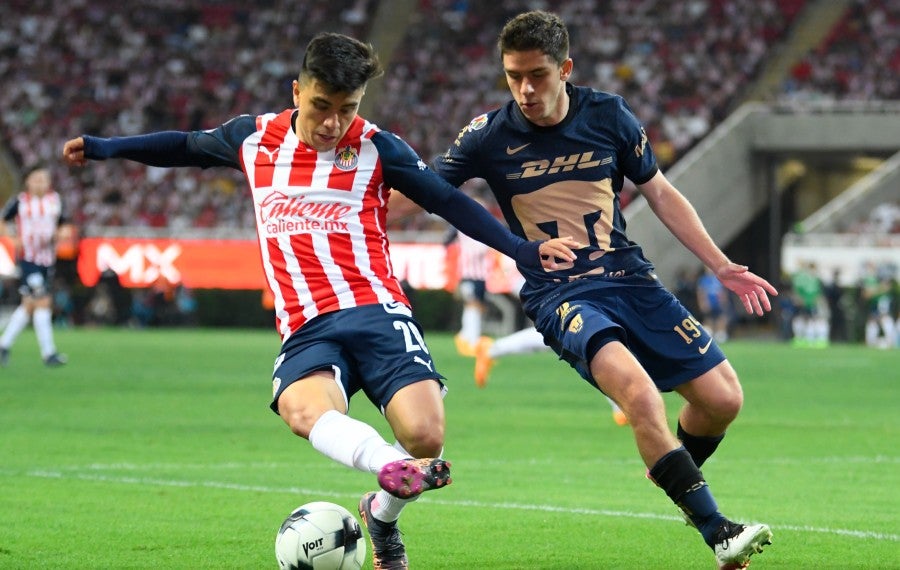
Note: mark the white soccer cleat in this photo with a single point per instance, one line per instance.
(735, 543)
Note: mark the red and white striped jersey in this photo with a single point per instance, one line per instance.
(37, 219)
(320, 217)
(475, 259)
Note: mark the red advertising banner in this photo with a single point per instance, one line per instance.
(235, 264)
(198, 264)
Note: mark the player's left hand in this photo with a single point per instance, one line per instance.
(73, 152)
(557, 253)
(752, 289)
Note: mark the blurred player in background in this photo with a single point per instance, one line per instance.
(522, 341)
(556, 158)
(39, 223)
(474, 260)
(712, 301)
(320, 178)
(875, 287)
(810, 323)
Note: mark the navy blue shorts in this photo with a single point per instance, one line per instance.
(671, 345)
(374, 348)
(472, 290)
(34, 279)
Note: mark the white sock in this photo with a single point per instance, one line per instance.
(822, 330)
(43, 328)
(17, 323)
(387, 508)
(797, 327)
(890, 331)
(471, 325)
(352, 442)
(872, 331)
(525, 340)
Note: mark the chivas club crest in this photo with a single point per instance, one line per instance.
(346, 158)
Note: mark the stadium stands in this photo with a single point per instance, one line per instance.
(104, 68)
(98, 67)
(859, 60)
(680, 65)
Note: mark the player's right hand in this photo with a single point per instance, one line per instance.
(73, 152)
(556, 249)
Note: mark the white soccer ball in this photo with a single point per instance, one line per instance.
(320, 536)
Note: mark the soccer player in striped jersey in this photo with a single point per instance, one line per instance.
(39, 220)
(555, 159)
(474, 262)
(320, 177)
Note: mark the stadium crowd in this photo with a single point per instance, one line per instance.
(102, 67)
(681, 65)
(858, 61)
(98, 67)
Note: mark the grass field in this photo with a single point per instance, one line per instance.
(156, 449)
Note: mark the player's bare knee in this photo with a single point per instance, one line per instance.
(642, 403)
(729, 397)
(425, 442)
(729, 405)
(300, 420)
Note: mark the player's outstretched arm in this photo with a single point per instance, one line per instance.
(752, 289)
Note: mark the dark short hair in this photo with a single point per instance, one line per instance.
(341, 63)
(34, 167)
(536, 30)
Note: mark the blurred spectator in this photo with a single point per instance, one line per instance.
(713, 302)
(143, 309)
(185, 306)
(101, 308)
(685, 289)
(63, 303)
(837, 301)
(787, 310)
(883, 219)
(811, 322)
(877, 292)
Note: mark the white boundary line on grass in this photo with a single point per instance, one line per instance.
(46, 474)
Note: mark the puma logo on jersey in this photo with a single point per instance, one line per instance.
(512, 151)
(270, 153)
(565, 163)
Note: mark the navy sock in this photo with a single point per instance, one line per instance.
(683, 482)
(700, 447)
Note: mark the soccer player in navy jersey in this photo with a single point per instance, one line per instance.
(38, 215)
(320, 178)
(555, 158)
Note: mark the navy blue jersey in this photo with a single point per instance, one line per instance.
(562, 180)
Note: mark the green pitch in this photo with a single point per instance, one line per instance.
(156, 449)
